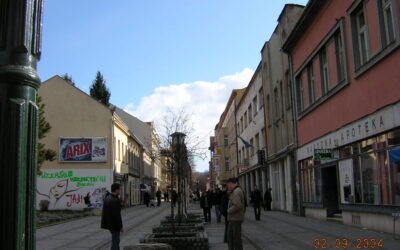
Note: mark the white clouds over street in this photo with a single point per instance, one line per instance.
(204, 101)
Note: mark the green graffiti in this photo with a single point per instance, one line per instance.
(82, 184)
(57, 175)
(89, 179)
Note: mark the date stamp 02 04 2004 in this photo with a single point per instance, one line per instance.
(345, 243)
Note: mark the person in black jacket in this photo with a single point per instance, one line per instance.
(158, 195)
(267, 199)
(224, 209)
(205, 204)
(111, 216)
(256, 199)
(146, 198)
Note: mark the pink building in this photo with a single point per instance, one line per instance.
(345, 61)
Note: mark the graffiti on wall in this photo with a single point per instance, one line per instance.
(72, 189)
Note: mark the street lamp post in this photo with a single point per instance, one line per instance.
(20, 41)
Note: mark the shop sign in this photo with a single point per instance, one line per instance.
(323, 155)
(93, 149)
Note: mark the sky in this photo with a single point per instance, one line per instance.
(159, 55)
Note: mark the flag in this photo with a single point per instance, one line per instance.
(246, 144)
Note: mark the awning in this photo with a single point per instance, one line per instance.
(394, 155)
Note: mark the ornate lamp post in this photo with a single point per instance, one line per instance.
(20, 41)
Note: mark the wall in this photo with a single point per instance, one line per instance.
(72, 113)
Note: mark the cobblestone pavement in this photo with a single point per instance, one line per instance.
(278, 230)
(86, 233)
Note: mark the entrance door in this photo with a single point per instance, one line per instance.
(330, 190)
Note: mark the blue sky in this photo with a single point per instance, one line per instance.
(148, 50)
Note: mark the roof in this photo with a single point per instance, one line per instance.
(310, 11)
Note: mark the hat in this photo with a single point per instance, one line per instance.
(232, 180)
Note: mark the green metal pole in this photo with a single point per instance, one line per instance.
(20, 40)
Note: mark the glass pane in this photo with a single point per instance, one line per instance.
(395, 174)
(345, 152)
(317, 184)
(394, 138)
(367, 145)
(357, 181)
(370, 179)
(363, 47)
(383, 176)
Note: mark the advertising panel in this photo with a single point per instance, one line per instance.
(72, 188)
(83, 149)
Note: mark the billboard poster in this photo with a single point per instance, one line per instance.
(346, 181)
(73, 189)
(83, 149)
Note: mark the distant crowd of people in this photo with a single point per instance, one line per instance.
(230, 201)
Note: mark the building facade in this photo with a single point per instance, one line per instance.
(82, 136)
(344, 60)
(250, 127)
(279, 117)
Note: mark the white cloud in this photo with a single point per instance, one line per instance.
(205, 101)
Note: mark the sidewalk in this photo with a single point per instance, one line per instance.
(279, 230)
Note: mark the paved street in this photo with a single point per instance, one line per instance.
(276, 230)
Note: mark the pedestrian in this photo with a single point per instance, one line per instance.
(256, 199)
(205, 204)
(111, 216)
(236, 209)
(166, 197)
(216, 201)
(267, 200)
(158, 195)
(224, 209)
(146, 198)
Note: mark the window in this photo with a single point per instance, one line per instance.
(245, 119)
(386, 16)
(360, 37)
(241, 124)
(310, 75)
(268, 108)
(238, 127)
(226, 142)
(240, 156)
(263, 138)
(339, 51)
(282, 101)
(255, 105)
(261, 98)
(252, 148)
(257, 146)
(299, 94)
(276, 97)
(226, 164)
(324, 70)
(119, 150)
(250, 114)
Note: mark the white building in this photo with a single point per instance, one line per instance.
(251, 131)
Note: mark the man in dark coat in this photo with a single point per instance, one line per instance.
(205, 204)
(216, 202)
(146, 198)
(158, 195)
(267, 199)
(224, 209)
(111, 216)
(256, 199)
(174, 197)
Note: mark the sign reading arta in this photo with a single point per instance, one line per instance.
(83, 149)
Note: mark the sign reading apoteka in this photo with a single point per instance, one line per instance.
(86, 149)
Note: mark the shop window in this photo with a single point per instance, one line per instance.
(393, 138)
(358, 192)
(395, 181)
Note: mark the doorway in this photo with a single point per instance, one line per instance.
(330, 194)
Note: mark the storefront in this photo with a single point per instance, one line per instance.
(348, 172)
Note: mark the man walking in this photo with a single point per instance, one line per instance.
(236, 209)
(256, 199)
(267, 199)
(111, 216)
(205, 204)
(216, 201)
(224, 209)
(158, 195)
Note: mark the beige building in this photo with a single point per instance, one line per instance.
(279, 113)
(82, 135)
